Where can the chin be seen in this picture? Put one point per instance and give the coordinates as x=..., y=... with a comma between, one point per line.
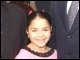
x=41, y=46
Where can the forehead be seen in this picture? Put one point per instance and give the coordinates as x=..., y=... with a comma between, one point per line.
x=39, y=22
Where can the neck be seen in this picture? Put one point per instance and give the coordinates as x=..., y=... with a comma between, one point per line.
x=38, y=49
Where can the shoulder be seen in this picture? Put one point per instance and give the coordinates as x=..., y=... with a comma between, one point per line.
x=12, y=10
x=55, y=50
x=54, y=54
x=10, y=7
x=22, y=54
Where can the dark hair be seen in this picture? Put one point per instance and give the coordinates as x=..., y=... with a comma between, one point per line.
x=41, y=14
x=33, y=15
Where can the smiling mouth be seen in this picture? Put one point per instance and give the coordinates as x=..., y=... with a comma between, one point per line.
x=40, y=39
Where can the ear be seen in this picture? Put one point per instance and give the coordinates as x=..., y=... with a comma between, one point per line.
x=27, y=33
x=51, y=28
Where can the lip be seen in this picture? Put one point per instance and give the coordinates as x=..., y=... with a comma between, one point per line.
x=40, y=39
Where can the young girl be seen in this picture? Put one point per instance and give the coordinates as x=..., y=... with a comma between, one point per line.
x=38, y=29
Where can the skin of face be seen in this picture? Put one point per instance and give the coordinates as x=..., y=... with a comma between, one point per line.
x=39, y=31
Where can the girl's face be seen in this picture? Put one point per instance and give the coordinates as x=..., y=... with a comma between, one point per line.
x=39, y=31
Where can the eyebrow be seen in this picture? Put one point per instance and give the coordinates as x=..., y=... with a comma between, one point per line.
x=36, y=28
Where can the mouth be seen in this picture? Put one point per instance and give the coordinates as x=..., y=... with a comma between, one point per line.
x=41, y=40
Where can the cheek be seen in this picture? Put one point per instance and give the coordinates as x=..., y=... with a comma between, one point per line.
x=48, y=34
x=31, y=35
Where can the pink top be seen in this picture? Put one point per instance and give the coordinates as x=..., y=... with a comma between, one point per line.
x=25, y=54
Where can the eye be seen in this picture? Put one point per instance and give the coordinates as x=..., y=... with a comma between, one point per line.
x=34, y=30
x=46, y=29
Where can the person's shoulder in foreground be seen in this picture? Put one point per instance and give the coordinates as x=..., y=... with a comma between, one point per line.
x=25, y=54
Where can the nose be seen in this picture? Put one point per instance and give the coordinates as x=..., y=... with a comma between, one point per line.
x=40, y=34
